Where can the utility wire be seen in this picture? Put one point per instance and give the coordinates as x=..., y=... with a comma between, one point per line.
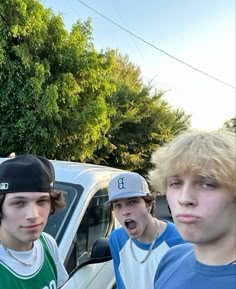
x=131, y=37
x=155, y=47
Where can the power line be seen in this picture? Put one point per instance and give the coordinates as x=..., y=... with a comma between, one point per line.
x=155, y=47
x=131, y=37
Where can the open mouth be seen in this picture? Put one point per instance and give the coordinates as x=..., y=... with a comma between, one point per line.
x=130, y=225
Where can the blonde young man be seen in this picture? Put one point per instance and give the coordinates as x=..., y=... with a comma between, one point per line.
x=28, y=258
x=197, y=172
x=138, y=245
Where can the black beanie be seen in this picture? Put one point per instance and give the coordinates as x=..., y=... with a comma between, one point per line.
x=26, y=173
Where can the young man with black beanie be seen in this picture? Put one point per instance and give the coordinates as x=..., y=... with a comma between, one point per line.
x=29, y=258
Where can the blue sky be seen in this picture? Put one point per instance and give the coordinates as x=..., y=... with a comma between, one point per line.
x=198, y=32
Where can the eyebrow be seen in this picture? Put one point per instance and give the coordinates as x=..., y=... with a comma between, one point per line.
x=201, y=176
x=171, y=177
x=17, y=197
x=131, y=198
x=197, y=177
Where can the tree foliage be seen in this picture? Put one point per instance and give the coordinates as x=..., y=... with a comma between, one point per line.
x=139, y=120
x=53, y=84
x=62, y=99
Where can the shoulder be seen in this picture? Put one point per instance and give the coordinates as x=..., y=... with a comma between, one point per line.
x=170, y=227
x=119, y=233
x=48, y=238
x=186, y=247
x=118, y=237
x=170, y=235
x=178, y=252
x=175, y=256
x=177, y=261
x=50, y=242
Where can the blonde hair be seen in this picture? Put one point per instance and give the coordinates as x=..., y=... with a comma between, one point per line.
x=210, y=153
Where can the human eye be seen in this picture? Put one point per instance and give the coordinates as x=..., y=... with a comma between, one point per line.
x=116, y=206
x=18, y=204
x=208, y=185
x=44, y=202
x=174, y=183
x=132, y=202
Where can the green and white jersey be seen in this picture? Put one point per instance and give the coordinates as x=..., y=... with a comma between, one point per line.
x=47, y=272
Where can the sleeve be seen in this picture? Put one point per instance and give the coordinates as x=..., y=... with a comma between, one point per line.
x=172, y=236
x=62, y=274
x=114, y=248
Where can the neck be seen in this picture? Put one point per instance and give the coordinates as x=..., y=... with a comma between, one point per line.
x=151, y=231
x=217, y=253
x=15, y=244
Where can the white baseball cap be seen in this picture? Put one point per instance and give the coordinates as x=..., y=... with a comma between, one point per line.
x=127, y=185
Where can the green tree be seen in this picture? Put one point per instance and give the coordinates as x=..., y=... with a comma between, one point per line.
x=53, y=84
x=62, y=99
x=230, y=124
x=139, y=119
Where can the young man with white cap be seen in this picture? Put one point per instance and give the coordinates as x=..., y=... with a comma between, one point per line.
x=138, y=245
x=28, y=257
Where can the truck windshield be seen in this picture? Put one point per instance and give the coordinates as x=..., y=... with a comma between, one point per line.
x=58, y=221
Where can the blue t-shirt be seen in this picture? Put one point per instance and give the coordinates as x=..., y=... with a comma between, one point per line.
x=131, y=274
x=179, y=269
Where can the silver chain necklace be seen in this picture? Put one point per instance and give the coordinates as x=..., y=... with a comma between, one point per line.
x=25, y=263
x=150, y=248
x=232, y=262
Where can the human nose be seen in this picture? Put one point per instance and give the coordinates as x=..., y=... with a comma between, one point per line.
x=187, y=196
x=125, y=210
x=31, y=211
